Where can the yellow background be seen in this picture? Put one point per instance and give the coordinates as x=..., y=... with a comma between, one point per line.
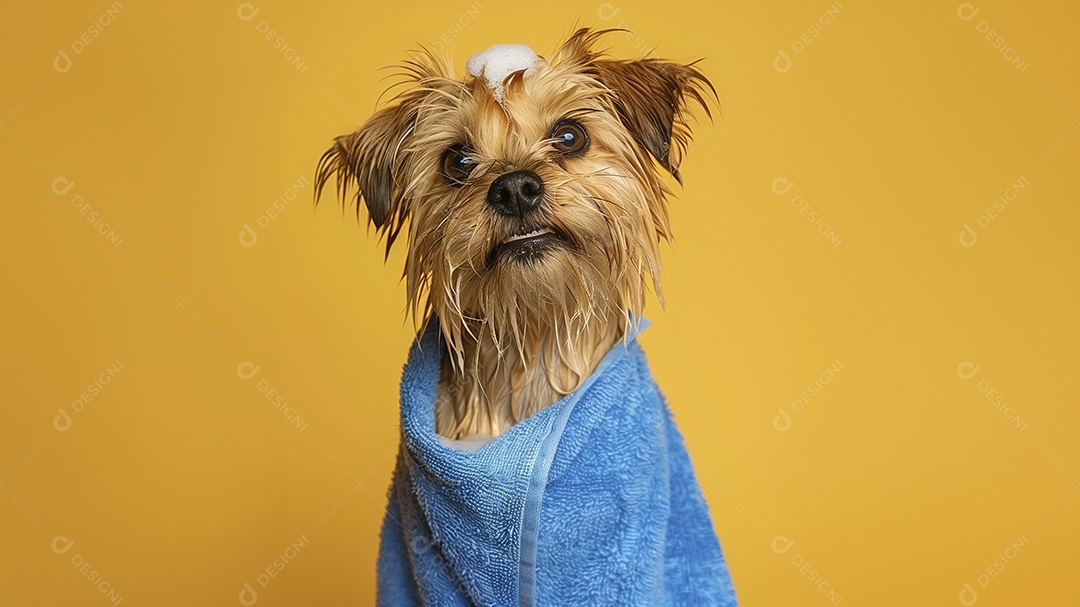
x=899, y=482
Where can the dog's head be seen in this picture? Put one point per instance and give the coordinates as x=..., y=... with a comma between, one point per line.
x=531, y=190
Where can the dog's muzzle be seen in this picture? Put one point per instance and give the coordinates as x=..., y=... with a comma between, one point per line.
x=517, y=196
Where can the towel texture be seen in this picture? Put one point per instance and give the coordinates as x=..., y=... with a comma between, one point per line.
x=592, y=501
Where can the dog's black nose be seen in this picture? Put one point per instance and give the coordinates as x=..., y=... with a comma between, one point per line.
x=516, y=194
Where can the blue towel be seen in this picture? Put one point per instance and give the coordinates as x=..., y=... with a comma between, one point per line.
x=592, y=501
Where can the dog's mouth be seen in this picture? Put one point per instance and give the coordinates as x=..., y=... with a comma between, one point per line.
x=526, y=247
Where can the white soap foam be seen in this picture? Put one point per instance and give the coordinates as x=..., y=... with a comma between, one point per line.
x=501, y=60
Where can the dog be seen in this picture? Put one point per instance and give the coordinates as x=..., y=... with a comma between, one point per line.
x=532, y=197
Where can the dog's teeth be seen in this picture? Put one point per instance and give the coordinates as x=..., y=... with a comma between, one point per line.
x=532, y=234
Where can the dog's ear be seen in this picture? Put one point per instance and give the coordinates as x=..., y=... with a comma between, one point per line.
x=651, y=98
x=369, y=157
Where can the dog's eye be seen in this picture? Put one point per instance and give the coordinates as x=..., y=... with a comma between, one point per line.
x=457, y=164
x=570, y=137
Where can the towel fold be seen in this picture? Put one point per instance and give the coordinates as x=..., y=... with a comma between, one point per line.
x=592, y=501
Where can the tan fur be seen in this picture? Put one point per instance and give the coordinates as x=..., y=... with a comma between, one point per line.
x=520, y=336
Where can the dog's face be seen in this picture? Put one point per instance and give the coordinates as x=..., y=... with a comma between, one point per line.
x=532, y=203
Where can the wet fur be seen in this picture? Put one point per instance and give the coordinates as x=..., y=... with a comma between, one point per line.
x=521, y=335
